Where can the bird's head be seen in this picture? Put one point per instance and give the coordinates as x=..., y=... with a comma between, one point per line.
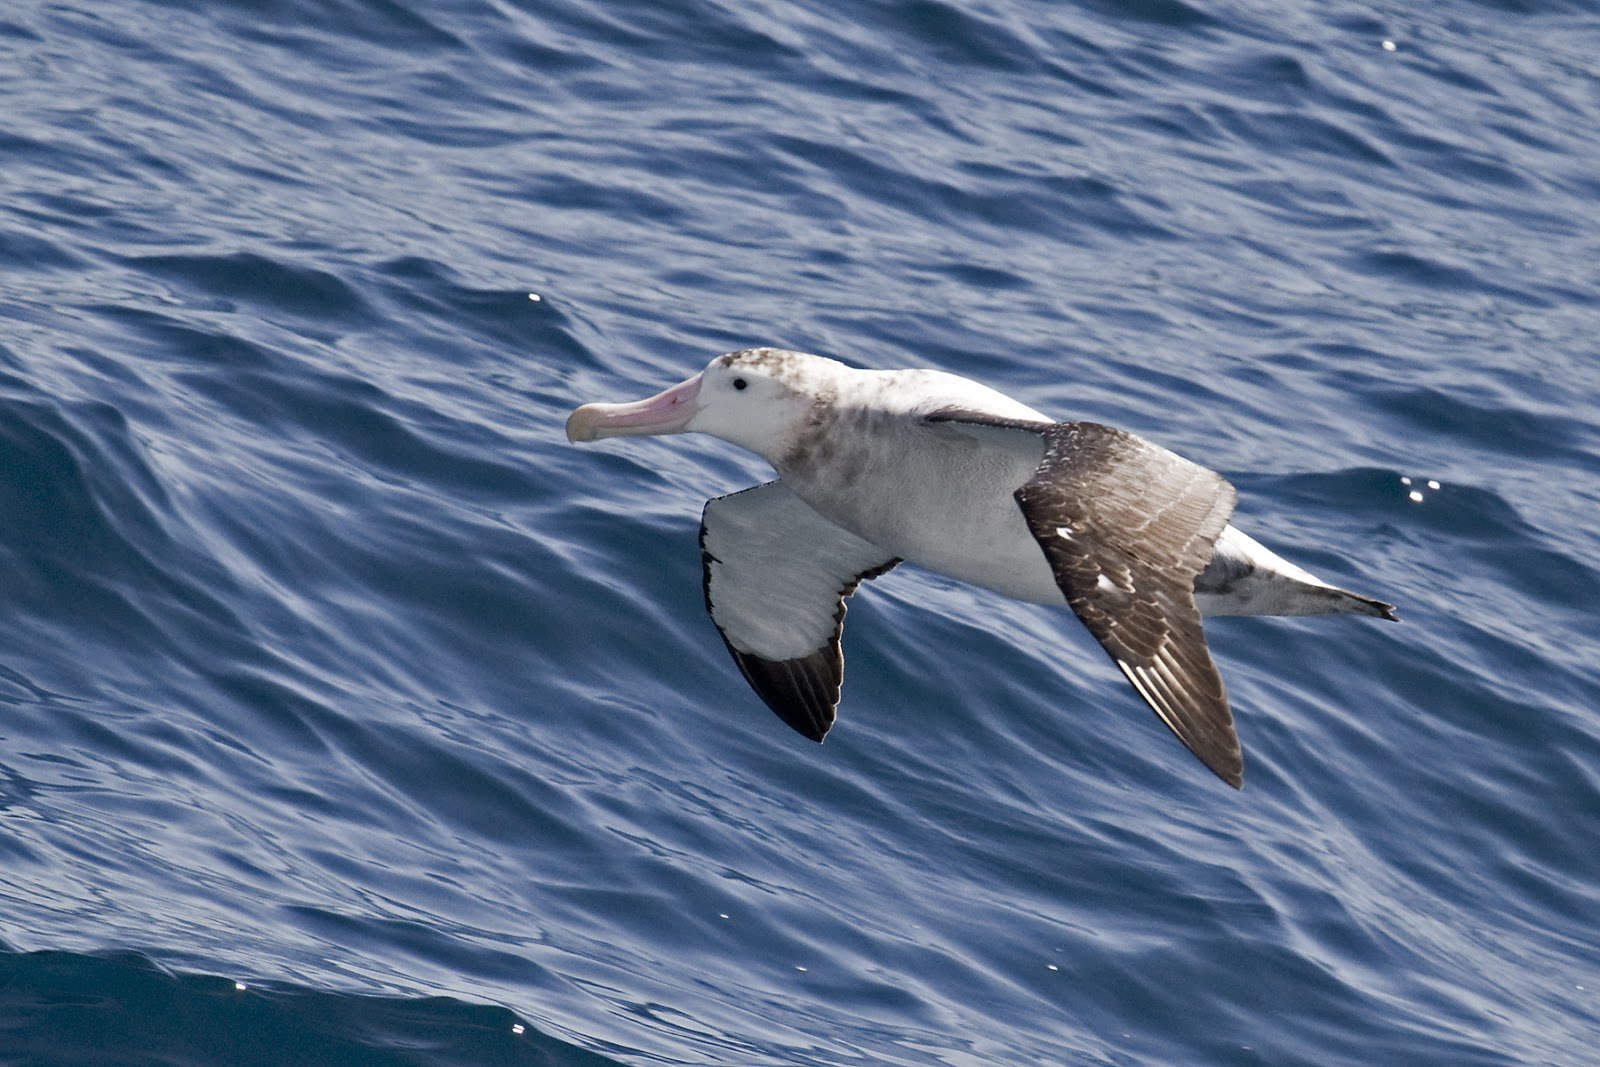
x=758, y=399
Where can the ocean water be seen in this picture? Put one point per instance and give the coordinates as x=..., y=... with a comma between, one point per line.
x=349, y=715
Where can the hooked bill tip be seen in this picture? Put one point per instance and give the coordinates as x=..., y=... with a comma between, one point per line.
x=581, y=424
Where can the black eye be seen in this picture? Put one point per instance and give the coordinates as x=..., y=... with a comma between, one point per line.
x=740, y=383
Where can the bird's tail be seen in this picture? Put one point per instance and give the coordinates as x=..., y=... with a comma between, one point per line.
x=1245, y=577
x=1356, y=604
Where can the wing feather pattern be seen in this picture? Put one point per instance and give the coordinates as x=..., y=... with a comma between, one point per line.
x=776, y=578
x=1126, y=526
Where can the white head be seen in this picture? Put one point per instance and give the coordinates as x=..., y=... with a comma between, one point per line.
x=758, y=399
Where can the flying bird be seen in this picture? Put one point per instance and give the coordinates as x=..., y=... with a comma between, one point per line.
x=881, y=467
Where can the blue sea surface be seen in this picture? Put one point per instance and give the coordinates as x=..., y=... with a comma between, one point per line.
x=348, y=715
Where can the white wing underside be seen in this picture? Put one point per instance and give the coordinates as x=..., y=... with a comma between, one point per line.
x=776, y=571
x=776, y=577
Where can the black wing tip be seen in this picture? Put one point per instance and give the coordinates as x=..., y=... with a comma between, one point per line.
x=802, y=721
x=803, y=692
x=810, y=727
x=807, y=730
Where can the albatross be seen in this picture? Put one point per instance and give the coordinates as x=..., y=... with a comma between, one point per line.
x=880, y=467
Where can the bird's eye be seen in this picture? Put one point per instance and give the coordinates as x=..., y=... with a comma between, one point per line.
x=740, y=383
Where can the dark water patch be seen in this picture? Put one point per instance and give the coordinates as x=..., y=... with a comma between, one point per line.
x=255, y=280
x=1545, y=573
x=188, y=342
x=1464, y=510
x=1278, y=77
x=1096, y=210
x=1537, y=8
x=1305, y=134
x=515, y=321
x=601, y=195
x=1450, y=161
x=59, y=1007
x=632, y=26
x=18, y=31
x=958, y=37
x=297, y=720
x=21, y=146
x=1497, y=423
x=29, y=252
x=1520, y=129
x=988, y=278
x=388, y=24
x=1169, y=13
x=1431, y=272
x=549, y=59
x=361, y=422
x=73, y=479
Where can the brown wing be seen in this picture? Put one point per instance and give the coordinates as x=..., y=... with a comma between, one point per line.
x=1126, y=526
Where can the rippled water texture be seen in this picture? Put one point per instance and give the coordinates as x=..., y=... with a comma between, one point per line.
x=349, y=715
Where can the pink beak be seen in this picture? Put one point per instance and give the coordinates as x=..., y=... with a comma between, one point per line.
x=667, y=412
